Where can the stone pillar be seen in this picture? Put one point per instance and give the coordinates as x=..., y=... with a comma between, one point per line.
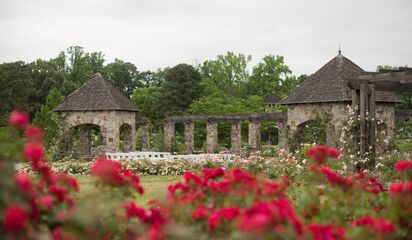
x=211, y=137
x=145, y=137
x=127, y=134
x=111, y=137
x=282, y=136
x=133, y=139
x=85, y=139
x=189, y=137
x=235, y=138
x=295, y=136
x=254, y=135
x=169, y=134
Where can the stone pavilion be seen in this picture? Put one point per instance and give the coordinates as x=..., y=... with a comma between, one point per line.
x=98, y=103
x=326, y=95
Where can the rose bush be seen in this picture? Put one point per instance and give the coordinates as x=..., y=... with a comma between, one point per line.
x=210, y=203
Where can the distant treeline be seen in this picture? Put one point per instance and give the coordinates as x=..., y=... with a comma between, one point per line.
x=221, y=85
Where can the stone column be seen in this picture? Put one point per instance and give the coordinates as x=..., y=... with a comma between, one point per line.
x=189, y=137
x=145, y=137
x=295, y=136
x=254, y=135
x=169, y=134
x=127, y=133
x=282, y=136
x=133, y=139
x=85, y=139
x=235, y=138
x=111, y=136
x=211, y=137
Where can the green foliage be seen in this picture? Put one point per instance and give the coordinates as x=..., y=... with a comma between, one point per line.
x=315, y=132
x=227, y=73
x=123, y=75
x=147, y=99
x=46, y=118
x=180, y=88
x=16, y=89
x=65, y=143
x=271, y=75
x=224, y=85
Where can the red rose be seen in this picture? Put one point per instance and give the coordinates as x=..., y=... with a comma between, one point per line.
x=132, y=210
x=33, y=132
x=320, y=154
x=46, y=201
x=33, y=152
x=229, y=213
x=23, y=181
x=18, y=119
x=214, y=221
x=14, y=219
x=108, y=170
x=403, y=165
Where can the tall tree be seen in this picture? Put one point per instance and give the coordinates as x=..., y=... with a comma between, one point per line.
x=149, y=78
x=147, y=100
x=123, y=75
x=16, y=89
x=81, y=65
x=227, y=73
x=180, y=88
x=46, y=118
x=271, y=75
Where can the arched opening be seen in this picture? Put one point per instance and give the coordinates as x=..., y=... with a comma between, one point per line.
x=311, y=131
x=88, y=140
x=125, y=138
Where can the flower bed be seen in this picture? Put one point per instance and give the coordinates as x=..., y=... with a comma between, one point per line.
x=211, y=203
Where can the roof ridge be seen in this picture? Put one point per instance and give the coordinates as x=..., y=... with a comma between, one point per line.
x=329, y=84
x=75, y=91
x=97, y=94
x=109, y=92
x=340, y=78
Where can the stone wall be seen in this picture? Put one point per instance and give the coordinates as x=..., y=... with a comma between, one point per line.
x=109, y=123
x=335, y=116
x=385, y=116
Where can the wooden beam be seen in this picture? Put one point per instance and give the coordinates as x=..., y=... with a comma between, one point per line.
x=362, y=112
x=355, y=108
x=372, y=126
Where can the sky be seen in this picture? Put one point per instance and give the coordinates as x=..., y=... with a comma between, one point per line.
x=154, y=34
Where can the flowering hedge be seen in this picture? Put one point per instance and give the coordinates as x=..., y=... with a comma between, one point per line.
x=285, y=164
x=212, y=203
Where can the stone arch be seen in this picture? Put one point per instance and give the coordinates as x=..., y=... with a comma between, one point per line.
x=333, y=115
x=85, y=137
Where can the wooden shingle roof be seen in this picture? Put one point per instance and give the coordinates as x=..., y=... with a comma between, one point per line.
x=330, y=84
x=97, y=94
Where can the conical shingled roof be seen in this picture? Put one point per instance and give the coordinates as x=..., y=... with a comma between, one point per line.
x=97, y=94
x=329, y=84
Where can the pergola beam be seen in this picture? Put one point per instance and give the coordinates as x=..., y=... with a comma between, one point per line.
x=391, y=81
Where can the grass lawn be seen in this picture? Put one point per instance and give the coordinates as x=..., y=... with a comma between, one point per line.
x=154, y=187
